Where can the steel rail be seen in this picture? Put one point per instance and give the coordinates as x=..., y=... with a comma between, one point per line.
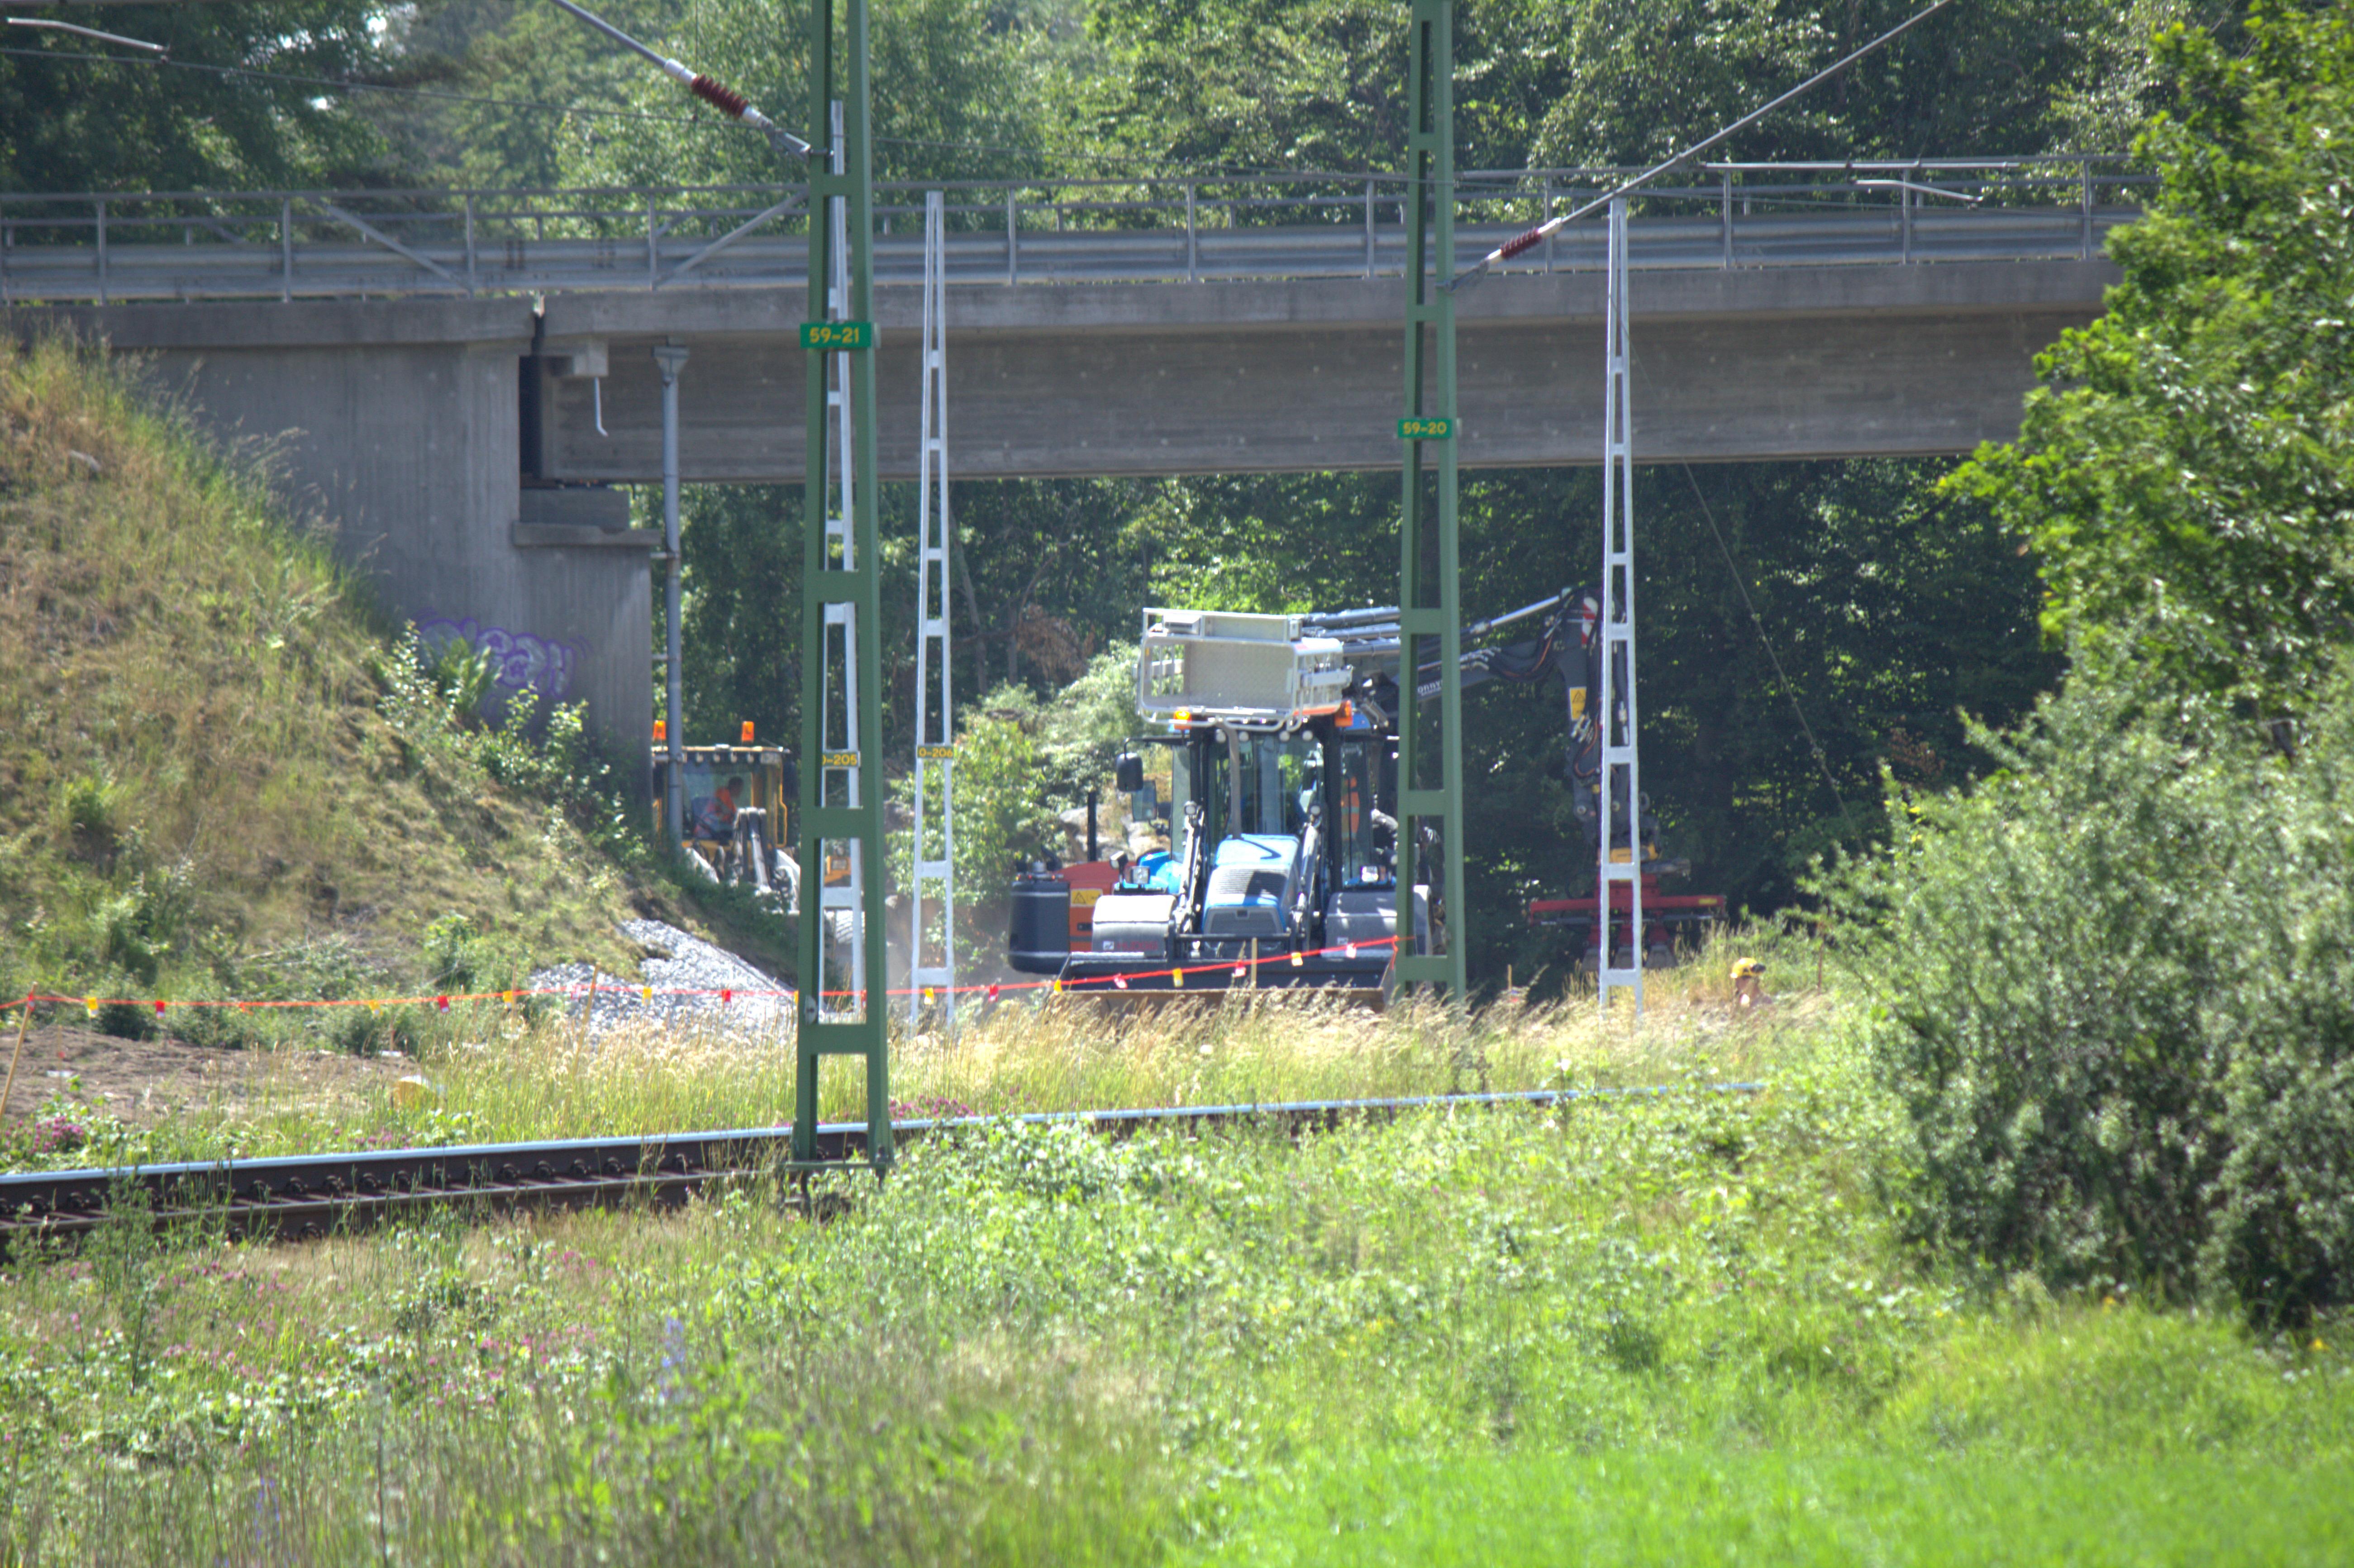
x=335, y=244
x=301, y=1197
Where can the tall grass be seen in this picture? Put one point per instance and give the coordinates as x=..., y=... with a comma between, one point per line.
x=502, y=1074
x=1031, y=1345
x=1820, y=1510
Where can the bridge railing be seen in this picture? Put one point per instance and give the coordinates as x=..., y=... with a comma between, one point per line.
x=189, y=245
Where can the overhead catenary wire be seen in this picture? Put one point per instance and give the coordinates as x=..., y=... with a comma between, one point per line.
x=346, y=84
x=1822, y=761
x=1532, y=237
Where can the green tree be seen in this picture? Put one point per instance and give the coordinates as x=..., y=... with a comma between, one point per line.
x=1003, y=819
x=2114, y=988
x=2187, y=472
x=514, y=90
x=740, y=633
x=1320, y=84
x=1046, y=572
x=237, y=105
x=1996, y=78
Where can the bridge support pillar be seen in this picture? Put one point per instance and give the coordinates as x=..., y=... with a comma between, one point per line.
x=407, y=453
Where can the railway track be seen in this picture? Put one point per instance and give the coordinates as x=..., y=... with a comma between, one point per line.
x=310, y=1196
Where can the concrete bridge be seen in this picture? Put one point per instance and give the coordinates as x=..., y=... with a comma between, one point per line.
x=465, y=445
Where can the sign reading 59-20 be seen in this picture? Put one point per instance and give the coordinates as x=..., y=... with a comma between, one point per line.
x=837, y=334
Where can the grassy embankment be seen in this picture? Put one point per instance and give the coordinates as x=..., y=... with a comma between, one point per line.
x=1677, y=1328
x=202, y=791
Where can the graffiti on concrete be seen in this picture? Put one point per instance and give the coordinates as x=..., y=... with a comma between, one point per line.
x=517, y=659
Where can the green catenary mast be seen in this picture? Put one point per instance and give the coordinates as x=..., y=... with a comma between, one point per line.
x=840, y=804
x=1430, y=788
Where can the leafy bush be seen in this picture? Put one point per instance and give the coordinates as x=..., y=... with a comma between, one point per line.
x=462, y=957
x=89, y=809
x=430, y=700
x=462, y=674
x=2115, y=985
x=1021, y=759
x=1002, y=812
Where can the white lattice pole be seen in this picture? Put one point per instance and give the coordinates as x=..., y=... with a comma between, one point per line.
x=1620, y=866
x=935, y=728
x=841, y=734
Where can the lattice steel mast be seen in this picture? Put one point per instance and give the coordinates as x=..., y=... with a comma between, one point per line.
x=935, y=727
x=1429, y=595
x=1620, y=866
x=840, y=596
x=839, y=905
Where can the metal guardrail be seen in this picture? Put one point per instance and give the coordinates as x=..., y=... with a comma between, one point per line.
x=288, y=245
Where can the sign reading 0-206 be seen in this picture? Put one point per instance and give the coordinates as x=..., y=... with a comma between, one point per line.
x=837, y=334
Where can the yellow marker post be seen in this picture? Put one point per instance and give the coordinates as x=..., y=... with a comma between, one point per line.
x=23, y=1025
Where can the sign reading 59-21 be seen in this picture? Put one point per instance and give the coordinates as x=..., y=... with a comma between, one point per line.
x=837, y=334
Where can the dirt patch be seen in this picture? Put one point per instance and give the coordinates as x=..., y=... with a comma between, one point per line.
x=142, y=1080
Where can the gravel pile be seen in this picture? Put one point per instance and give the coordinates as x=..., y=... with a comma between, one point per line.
x=691, y=964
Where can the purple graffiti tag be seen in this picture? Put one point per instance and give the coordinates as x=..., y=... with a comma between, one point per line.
x=517, y=659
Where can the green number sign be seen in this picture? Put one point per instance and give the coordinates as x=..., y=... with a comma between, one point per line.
x=838, y=334
x=1426, y=430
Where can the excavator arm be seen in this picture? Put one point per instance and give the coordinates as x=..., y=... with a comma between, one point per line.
x=1565, y=646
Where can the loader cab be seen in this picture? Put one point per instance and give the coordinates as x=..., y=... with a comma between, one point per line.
x=1363, y=800
x=1259, y=790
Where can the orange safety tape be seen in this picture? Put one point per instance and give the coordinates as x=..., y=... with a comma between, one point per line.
x=727, y=994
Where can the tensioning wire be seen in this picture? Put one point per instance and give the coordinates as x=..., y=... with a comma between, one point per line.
x=346, y=85
x=1822, y=760
x=1780, y=674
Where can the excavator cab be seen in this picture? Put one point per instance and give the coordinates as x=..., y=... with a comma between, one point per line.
x=738, y=807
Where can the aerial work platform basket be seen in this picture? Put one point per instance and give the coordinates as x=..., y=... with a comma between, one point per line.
x=1250, y=669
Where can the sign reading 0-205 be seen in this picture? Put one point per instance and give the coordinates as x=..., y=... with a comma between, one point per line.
x=838, y=334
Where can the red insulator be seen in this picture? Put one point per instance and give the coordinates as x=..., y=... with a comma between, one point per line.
x=718, y=95
x=1515, y=246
